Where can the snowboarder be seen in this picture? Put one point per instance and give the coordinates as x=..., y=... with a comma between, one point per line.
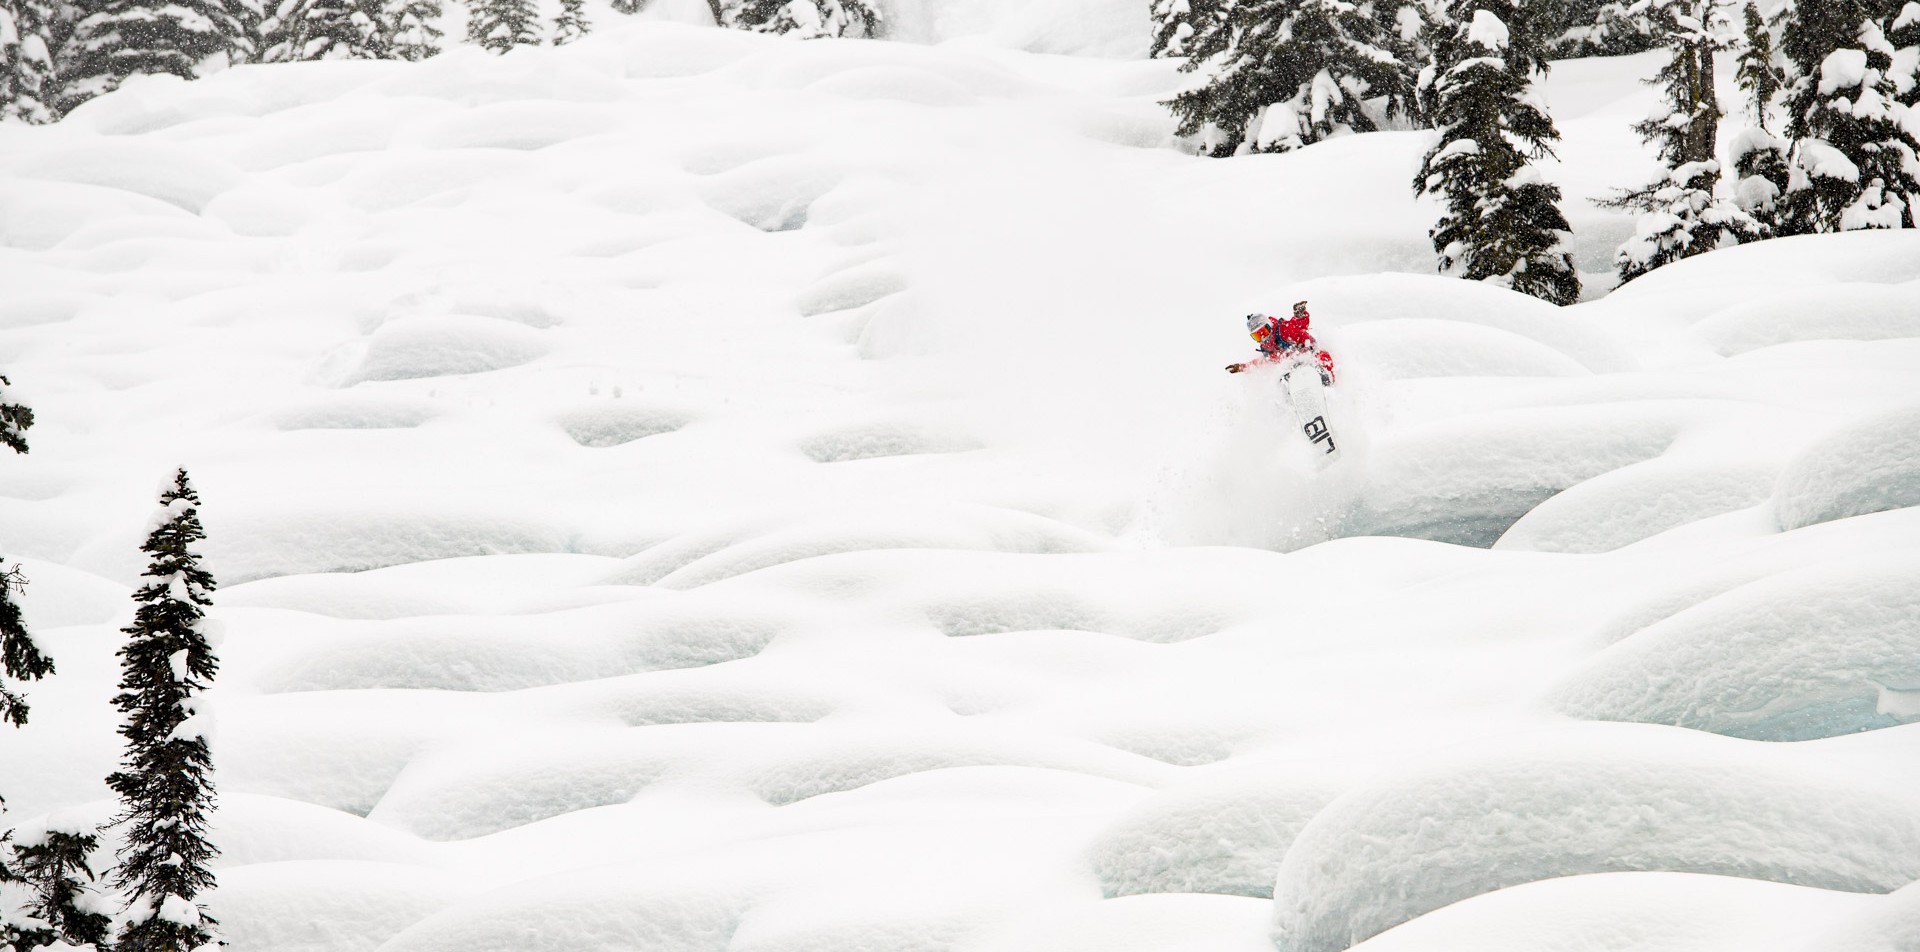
x=1282, y=340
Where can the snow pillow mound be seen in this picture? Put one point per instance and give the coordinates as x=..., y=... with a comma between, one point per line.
x=880, y=439
x=1786, y=265
x=265, y=543
x=275, y=905
x=1847, y=312
x=603, y=424
x=1795, y=656
x=1870, y=466
x=1617, y=912
x=417, y=347
x=459, y=794
x=1223, y=836
x=704, y=558
x=1892, y=925
x=1574, y=801
x=1350, y=302
x=1468, y=480
x=1637, y=502
x=1403, y=348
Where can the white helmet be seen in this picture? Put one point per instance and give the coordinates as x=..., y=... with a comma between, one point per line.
x=1256, y=321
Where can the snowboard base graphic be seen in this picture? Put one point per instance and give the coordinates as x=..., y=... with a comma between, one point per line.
x=1307, y=397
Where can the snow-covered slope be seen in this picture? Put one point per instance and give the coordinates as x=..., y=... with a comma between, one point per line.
x=694, y=491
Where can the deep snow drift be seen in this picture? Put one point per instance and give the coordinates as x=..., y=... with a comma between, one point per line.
x=694, y=491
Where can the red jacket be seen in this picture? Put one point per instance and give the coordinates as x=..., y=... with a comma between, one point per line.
x=1291, y=338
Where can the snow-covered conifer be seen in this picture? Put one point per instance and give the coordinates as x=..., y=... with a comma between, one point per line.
x=1502, y=221
x=115, y=39
x=1760, y=177
x=501, y=25
x=1679, y=214
x=1903, y=33
x=20, y=658
x=165, y=787
x=1854, y=164
x=27, y=84
x=1297, y=72
x=56, y=869
x=806, y=19
x=1756, y=69
x=1184, y=27
x=15, y=418
x=571, y=23
x=1605, y=28
x=1759, y=157
x=325, y=29
x=413, y=31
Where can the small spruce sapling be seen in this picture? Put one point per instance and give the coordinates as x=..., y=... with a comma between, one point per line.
x=56, y=870
x=15, y=418
x=165, y=784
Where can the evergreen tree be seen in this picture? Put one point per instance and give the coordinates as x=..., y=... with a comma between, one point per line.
x=20, y=658
x=1599, y=28
x=1759, y=158
x=807, y=19
x=413, y=32
x=1502, y=221
x=164, y=785
x=115, y=39
x=1757, y=72
x=1903, y=32
x=27, y=83
x=1760, y=178
x=501, y=25
x=571, y=24
x=1299, y=71
x=64, y=906
x=1183, y=27
x=1679, y=215
x=1854, y=163
x=325, y=29
x=15, y=418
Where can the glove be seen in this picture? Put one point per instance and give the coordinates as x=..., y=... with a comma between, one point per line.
x=1235, y=368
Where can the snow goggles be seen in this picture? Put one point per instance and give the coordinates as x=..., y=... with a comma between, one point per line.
x=1262, y=332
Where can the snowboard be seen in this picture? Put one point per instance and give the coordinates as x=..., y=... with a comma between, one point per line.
x=1308, y=398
